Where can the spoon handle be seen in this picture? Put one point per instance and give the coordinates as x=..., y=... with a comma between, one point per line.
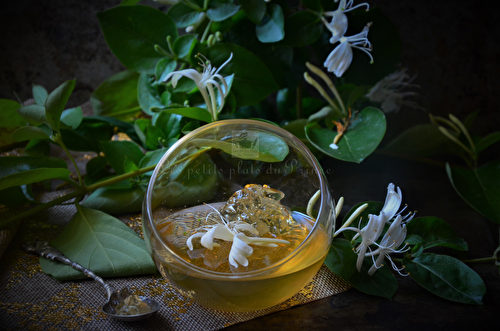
x=43, y=249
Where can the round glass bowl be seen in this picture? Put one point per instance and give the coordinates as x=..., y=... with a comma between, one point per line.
x=188, y=195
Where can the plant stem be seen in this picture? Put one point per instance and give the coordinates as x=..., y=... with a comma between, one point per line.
x=79, y=192
x=205, y=33
x=481, y=260
x=63, y=146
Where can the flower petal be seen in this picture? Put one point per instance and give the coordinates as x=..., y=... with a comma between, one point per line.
x=239, y=251
x=392, y=201
x=339, y=59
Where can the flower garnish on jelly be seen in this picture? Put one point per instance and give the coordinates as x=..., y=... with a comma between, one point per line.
x=243, y=228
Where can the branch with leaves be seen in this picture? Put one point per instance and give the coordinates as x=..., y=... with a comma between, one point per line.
x=208, y=60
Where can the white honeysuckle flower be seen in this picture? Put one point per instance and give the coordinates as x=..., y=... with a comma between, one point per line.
x=388, y=91
x=371, y=232
x=341, y=57
x=205, y=81
x=392, y=201
x=231, y=231
x=338, y=24
x=369, y=235
x=239, y=251
x=392, y=239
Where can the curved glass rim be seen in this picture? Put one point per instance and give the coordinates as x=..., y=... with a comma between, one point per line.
x=216, y=274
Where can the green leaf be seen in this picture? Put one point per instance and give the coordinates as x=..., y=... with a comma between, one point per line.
x=33, y=176
x=341, y=259
x=446, y=277
x=34, y=114
x=116, y=200
x=152, y=157
x=89, y=133
x=149, y=134
x=117, y=96
x=302, y=28
x=196, y=113
x=264, y=147
x=10, y=120
x=55, y=103
x=253, y=82
x=164, y=67
x=273, y=27
x=183, y=45
x=132, y=32
x=168, y=123
x=219, y=10
x=488, y=141
x=479, y=187
x=382, y=283
x=32, y=132
x=361, y=139
x=191, y=182
x=96, y=170
x=148, y=96
x=102, y=244
x=297, y=129
x=39, y=94
x=37, y=147
x=324, y=113
x=116, y=151
x=435, y=232
x=15, y=164
x=72, y=117
x=423, y=140
x=183, y=15
x=129, y=165
x=254, y=9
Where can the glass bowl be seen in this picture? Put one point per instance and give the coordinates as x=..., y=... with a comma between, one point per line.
x=191, y=192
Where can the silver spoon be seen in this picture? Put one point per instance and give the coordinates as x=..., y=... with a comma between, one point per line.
x=121, y=305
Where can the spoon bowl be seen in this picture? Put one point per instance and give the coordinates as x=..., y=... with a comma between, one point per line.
x=122, y=305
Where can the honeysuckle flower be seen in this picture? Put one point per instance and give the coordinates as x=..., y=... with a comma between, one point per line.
x=369, y=235
x=388, y=91
x=392, y=201
x=392, y=239
x=232, y=231
x=341, y=57
x=338, y=24
x=371, y=232
x=205, y=81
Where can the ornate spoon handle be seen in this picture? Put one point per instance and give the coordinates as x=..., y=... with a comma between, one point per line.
x=43, y=249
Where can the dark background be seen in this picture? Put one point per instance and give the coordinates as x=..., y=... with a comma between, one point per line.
x=452, y=45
